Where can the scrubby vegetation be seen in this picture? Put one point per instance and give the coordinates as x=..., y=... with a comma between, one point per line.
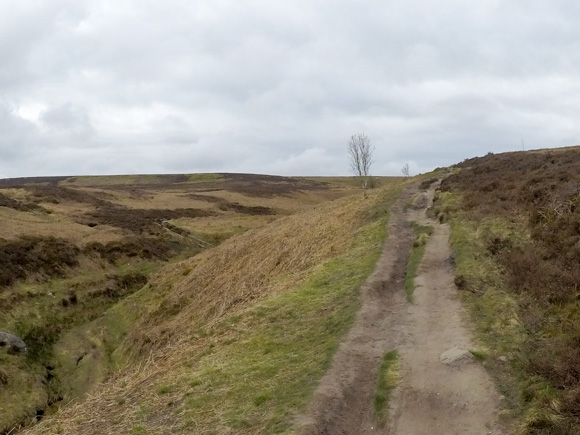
x=77, y=249
x=42, y=257
x=267, y=185
x=516, y=233
x=148, y=248
x=138, y=220
x=6, y=201
x=55, y=194
x=235, y=339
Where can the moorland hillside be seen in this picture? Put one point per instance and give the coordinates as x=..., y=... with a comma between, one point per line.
x=73, y=248
x=515, y=221
x=225, y=312
x=236, y=337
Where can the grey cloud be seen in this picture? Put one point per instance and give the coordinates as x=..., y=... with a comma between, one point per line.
x=69, y=122
x=18, y=137
x=258, y=86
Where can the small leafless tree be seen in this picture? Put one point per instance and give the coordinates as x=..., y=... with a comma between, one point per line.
x=360, y=152
x=406, y=170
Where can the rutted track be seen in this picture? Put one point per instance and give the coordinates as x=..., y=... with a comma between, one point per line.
x=432, y=398
x=453, y=398
x=342, y=404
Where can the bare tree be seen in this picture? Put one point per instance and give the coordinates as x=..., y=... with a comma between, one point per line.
x=360, y=152
x=406, y=170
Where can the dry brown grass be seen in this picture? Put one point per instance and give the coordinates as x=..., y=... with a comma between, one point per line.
x=243, y=270
x=101, y=210
x=18, y=194
x=68, y=209
x=285, y=204
x=15, y=224
x=70, y=201
x=157, y=200
x=222, y=226
x=175, y=313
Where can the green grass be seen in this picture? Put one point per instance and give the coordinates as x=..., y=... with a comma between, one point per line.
x=139, y=430
x=422, y=233
x=256, y=369
x=164, y=389
x=266, y=364
x=492, y=307
x=386, y=383
x=56, y=336
x=198, y=178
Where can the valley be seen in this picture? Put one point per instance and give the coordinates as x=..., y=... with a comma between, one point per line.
x=231, y=303
x=74, y=248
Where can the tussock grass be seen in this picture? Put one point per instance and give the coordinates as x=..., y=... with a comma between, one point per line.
x=422, y=233
x=238, y=343
x=80, y=340
x=387, y=381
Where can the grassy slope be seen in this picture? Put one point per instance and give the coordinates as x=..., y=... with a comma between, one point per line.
x=515, y=222
x=79, y=355
x=236, y=338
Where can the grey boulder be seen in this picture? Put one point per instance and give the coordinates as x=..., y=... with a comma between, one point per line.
x=11, y=343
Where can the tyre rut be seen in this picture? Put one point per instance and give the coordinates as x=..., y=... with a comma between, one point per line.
x=342, y=403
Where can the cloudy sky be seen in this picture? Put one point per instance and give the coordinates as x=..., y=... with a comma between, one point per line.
x=278, y=87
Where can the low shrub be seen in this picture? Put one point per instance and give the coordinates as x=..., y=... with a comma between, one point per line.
x=539, y=191
x=140, y=247
x=6, y=201
x=44, y=256
x=138, y=221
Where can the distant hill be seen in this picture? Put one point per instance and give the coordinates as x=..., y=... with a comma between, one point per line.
x=213, y=303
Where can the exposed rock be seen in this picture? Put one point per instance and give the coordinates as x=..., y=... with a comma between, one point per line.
x=455, y=355
x=503, y=358
x=421, y=200
x=12, y=343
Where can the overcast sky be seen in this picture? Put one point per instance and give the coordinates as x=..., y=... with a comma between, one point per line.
x=278, y=87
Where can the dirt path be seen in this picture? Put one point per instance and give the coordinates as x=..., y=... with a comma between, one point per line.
x=436, y=397
x=433, y=397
